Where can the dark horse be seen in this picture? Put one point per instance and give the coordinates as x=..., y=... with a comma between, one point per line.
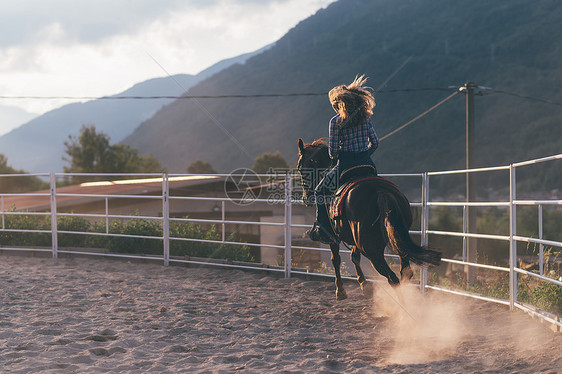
x=373, y=216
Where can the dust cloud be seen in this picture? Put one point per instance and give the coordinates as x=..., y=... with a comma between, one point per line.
x=441, y=327
x=425, y=328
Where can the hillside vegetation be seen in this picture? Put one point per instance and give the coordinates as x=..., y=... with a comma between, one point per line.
x=509, y=45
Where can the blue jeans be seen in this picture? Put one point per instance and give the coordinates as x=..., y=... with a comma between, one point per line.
x=329, y=184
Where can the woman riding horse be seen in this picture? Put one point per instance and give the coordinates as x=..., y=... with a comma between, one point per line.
x=352, y=140
x=374, y=213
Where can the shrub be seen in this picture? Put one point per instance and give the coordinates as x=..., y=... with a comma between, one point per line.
x=548, y=296
x=26, y=222
x=98, y=241
x=118, y=244
x=544, y=295
x=72, y=223
x=136, y=226
x=202, y=249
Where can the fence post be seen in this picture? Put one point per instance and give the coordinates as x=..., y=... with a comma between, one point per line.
x=288, y=222
x=512, y=241
x=106, y=215
x=541, y=246
x=425, y=226
x=223, y=218
x=166, y=218
x=464, y=238
x=54, y=235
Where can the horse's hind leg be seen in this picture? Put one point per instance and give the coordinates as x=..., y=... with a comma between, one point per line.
x=380, y=264
x=372, y=243
x=366, y=287
x=336, y=262
x=406, y=272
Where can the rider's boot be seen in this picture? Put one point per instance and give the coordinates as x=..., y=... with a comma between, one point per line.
x=322, y=229
x=319, y=234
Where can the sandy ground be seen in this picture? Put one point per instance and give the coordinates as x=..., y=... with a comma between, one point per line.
x=88, y=315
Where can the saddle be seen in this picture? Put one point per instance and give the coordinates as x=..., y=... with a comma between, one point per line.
x=356, y=172
x=337, y=205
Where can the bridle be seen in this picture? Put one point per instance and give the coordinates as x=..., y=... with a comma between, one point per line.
x=310, y=176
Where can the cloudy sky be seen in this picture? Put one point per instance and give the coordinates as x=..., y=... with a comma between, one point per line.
x=102, y=47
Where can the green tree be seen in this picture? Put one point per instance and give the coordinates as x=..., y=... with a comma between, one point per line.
x=200, y=167
x=88, y=152
x=91, y=152
x=268, y=162
x=128, y=159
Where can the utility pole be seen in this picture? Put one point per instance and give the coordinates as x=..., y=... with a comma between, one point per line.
x=471, y=248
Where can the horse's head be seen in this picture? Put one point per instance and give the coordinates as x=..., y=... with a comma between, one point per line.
x=313, y=161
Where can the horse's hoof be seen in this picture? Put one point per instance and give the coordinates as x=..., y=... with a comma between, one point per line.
x=406, y=274
x=367, y=289
x=341, y=295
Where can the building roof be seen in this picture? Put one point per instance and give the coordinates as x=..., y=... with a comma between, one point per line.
x=94, y=191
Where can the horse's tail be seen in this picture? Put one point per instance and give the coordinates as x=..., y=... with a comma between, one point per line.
x=399, y=237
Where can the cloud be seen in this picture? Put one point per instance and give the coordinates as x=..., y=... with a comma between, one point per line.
x=102, y=47
x=91, y=21
x=84, y=21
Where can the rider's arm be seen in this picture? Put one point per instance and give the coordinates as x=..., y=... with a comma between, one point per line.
x=373, y=138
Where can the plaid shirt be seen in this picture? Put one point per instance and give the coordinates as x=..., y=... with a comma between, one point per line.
x=356, y=139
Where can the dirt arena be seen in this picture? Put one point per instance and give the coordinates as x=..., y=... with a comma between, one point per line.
x=94, y=315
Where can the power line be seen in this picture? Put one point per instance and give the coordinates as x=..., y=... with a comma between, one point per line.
x=420, y=116
x=189, y=97
x=205, y=110
x=490, y=91
x=537, y=99
x=251, y=96
x=422, y=89
x=265, y=95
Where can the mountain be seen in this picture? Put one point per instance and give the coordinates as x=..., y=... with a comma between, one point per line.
x=38, y=145
x=509, y=45
x=12, y=117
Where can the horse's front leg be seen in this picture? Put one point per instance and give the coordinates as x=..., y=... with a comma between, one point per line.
x=336, y=262
x=366, y=287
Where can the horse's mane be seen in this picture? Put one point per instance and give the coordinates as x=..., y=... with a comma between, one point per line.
x=318, y=143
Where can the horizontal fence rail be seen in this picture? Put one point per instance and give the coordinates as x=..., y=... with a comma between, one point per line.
x=285, y=201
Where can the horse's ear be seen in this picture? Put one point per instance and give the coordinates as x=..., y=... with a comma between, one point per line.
x=301, y=146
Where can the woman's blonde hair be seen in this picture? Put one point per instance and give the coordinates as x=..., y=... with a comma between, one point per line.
x=354, y=102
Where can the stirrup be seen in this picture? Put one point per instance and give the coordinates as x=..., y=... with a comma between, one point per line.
x=317, y=234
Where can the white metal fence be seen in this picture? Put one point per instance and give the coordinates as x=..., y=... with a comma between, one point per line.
x=512, y=203
x=287, y=201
